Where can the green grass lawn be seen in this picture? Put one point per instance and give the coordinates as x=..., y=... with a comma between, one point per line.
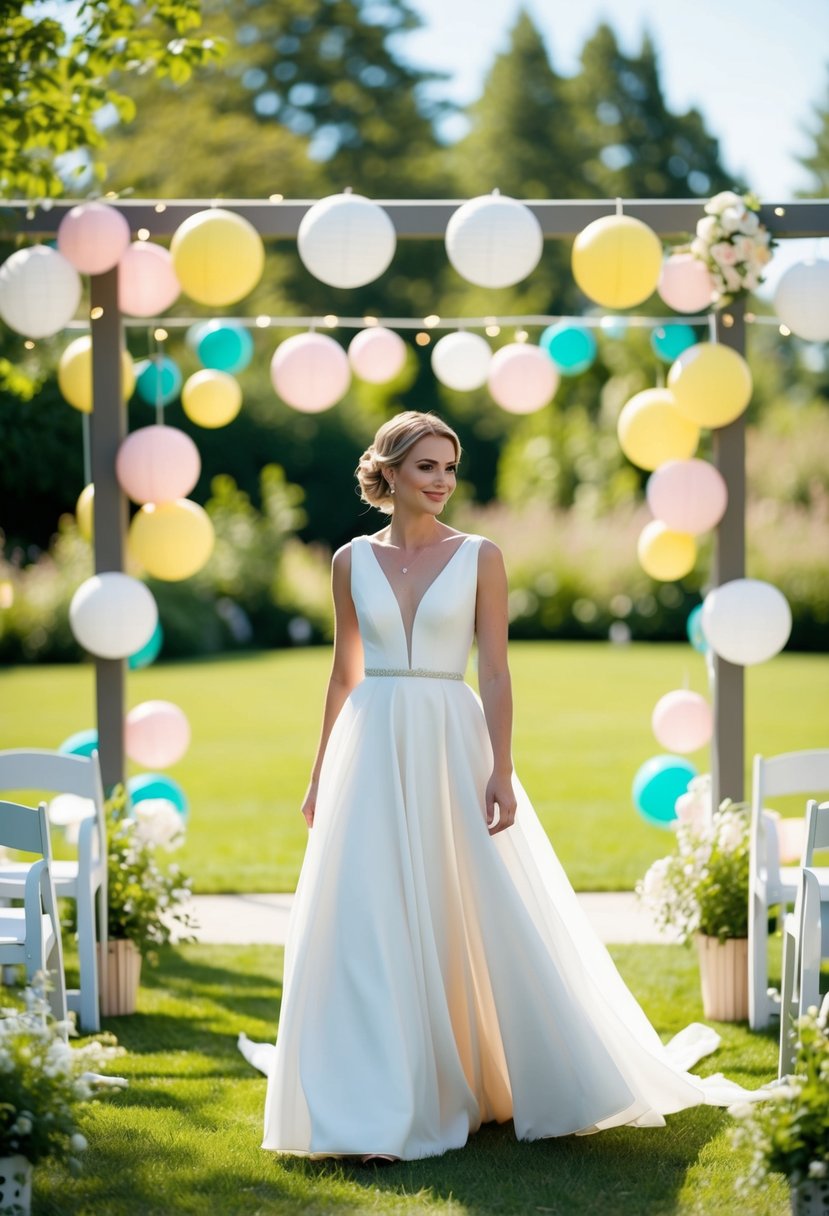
x=582, y=728
x=184, y=1137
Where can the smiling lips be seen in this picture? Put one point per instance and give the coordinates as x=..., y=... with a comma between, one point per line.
x=433, y=494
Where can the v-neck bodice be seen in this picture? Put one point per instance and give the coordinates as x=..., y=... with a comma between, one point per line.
x=444, y=620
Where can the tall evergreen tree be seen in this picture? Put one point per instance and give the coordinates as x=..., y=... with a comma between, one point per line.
x=817, y=162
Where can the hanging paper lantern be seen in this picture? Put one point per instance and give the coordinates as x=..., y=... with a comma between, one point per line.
x=666, y=555
x=377, y=355
x=75, y=374
x=225, y=346
x=211, y=399
x=93, y=237
x=570, y=347
x=801, y=300
x=158, y=380
x=148, y=652
x=693, y=630
x=711, y=384
x=85, y=512
x=218, y=256
x=310, y=372
x=687, y=495
x=346, y=240
x=150, y=786
x=39, y=291
x=82, y=743
x=669, y=341
x=461, y=361
x=147, y=283
x=746, y=621
x=171, y=540
x=651, y=430
x=685, y=283
x=522, y=378
x=156, y=734
x=682, y=721
x=69, y=810
x=157, y=464
x=111, y=615
x=494, y=241
x=617, y=261
x=657, y=785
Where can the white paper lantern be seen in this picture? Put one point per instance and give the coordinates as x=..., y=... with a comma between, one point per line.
x=377, y=354
x=113, y=615
x=461, y=361
x=746, y=621
x=494, y=241
x=39, y=291
x=310, y=372
x=522, y=378
x=346, y=240
x=802, y=300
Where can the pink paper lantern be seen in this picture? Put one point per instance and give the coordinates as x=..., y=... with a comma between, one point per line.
x=377, y=354
x=157, y=464
x=147, y=283
x=93, y=237
x=522, y=378
x=687, y=495
x=310, y=372
x=156, y=734
x=682, y=721
x=686, y=284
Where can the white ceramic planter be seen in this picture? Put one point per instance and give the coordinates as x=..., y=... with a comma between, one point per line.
x=811, y=1198
x=15, y=1186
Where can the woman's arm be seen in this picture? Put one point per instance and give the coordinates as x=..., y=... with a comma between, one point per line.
x=346, y=670
x=491, y=622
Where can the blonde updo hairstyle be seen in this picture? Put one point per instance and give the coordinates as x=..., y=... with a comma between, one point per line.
x=392, y=443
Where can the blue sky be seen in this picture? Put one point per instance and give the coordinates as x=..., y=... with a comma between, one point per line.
x=754, y=68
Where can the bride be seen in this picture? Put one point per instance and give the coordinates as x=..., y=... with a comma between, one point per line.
x=439, y=970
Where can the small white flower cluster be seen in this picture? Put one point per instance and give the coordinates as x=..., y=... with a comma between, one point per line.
x=158, y=823
x=733, y=244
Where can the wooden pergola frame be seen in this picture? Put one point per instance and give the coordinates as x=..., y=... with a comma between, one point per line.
x=278, y=218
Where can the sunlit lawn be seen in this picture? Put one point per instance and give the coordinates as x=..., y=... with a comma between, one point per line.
x=582, y=729
x=184, y=1137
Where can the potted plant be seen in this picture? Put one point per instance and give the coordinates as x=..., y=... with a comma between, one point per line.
x=701, y=891
x=144, y=898
x=789, y=1133
x=43, y=1083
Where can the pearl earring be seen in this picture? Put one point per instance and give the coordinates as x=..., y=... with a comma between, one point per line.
x=391, y=489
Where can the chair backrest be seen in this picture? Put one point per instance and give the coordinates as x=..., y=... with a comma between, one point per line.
x=25, y=828
x=817, y=830
x=37, y=769
x=804, y=772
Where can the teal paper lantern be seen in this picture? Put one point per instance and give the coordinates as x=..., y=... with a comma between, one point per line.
x=157, y=785
x=224, y=346
x=158, y=380
x=571, y=348
x=83, y=743
x=658, y=784
x=669, y=341
x=149, y=652
x=693, y=628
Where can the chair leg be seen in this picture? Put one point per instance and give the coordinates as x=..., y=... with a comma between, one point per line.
x=788, y=1002
x=89, y=1007
x=103, y=937
x=57, y=993
x=759, y=1007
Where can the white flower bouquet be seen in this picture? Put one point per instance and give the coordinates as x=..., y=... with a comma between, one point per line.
x=703, y=886
x=733, y=244
x=44, y=1081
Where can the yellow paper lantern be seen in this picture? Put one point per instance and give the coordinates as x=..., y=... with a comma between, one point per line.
x=711, y=384
x=84, y=512
x=75, y=374
x=651, y=430
x=617, y=261
x=218, y=256
x=211, y=398
x=171, y=540
x=666, y=555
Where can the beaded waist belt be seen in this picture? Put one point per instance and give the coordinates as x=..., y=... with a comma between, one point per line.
x=414, y=671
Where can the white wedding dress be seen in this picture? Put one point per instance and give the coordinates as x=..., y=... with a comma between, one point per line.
x=437, y=977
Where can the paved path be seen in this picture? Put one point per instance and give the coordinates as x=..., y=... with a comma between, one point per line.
x=263, y=919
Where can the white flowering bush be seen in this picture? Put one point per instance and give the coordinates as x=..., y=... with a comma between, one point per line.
x=789, y=1133
x=44, y=1081
x=703, y=886
x=733, y=244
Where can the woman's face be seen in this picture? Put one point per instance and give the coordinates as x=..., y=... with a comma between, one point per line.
x=427, y=476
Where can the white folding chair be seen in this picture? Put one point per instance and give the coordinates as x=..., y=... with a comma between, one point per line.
x=770, y=884
x=31, y=935
x=82, y=880
x=805, y=947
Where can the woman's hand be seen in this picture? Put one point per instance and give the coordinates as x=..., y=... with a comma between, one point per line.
x=499, y=792
x=309, y=803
